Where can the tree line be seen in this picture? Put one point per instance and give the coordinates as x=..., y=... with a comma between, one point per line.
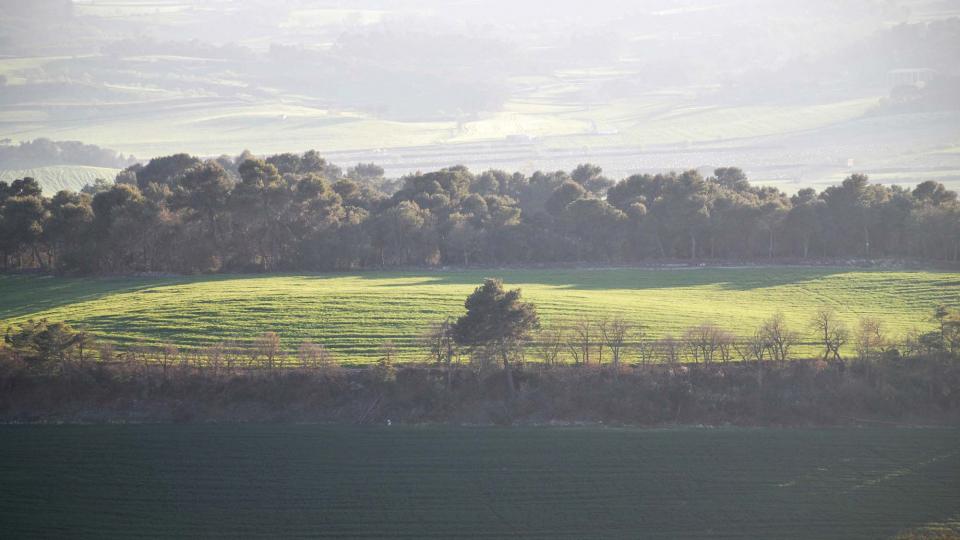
x=42, y=152
x=298, y=212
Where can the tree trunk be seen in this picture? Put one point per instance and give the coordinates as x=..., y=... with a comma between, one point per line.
x=693, y=246
x=770, y=249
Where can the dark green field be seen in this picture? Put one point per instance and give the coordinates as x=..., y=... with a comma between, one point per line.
x=230, y=481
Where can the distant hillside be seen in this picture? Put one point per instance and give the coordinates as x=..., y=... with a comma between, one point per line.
x=57, y=177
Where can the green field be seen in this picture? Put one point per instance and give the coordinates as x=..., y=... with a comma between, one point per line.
x=57, y=177
x=353, y=314
x=231, y=481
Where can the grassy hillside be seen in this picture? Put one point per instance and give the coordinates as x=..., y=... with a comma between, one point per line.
x=57, y=177
x=441, y=482
x=354, y=314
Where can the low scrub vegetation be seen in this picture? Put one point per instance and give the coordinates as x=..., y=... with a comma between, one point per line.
x=921, y=389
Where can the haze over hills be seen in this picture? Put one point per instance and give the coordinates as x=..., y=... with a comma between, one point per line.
x=830, y=88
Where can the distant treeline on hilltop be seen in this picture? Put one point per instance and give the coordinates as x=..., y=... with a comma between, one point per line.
x=44, y=152
x=299, y=212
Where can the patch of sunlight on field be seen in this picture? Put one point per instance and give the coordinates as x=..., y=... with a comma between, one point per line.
x=911, y=176
x=532, y=106
x=241, y=116
x=353, y=314
x=10, y=66
x=625, y=113
x=27, y=118
x=907, y=178
x=205, y=129
x=503, y=124
x=947, y=150
x=595, y=73
x=313, y=17
x=718, y=123
x=126, y=9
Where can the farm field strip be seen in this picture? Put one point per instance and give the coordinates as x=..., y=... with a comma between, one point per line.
x=406, y=481
x=57, y=177
x=354, y=314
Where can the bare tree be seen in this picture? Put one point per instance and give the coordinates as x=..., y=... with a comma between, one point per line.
x=137, y=354
x=267, y=346
x=214, y=357
x=520, y=352
x=105, y=352
x=580, y=340
x=307, y=355
x=184, y=359
x=442, y=345
x=689, y=346
x=313, y=355
x=233, y=352
x=912, y=344
x=669, y=349
x=754, y=348
x=703, y=341
x=646, y=350
x=779, y=338
x=384, y=369
x=831, y=332
x=548, y=345
x=440, y=342
x=615, y=334
x=869, y=338
x=168, y=355
x=325, y=358
x=725, y=341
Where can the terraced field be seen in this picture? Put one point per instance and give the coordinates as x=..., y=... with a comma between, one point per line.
x=353, y=314
x=57, y=177
x=124, y=481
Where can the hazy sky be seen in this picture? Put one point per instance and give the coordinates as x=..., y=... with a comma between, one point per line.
x=792, y=90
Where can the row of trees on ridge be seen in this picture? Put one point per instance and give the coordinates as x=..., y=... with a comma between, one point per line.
x=299, y=212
